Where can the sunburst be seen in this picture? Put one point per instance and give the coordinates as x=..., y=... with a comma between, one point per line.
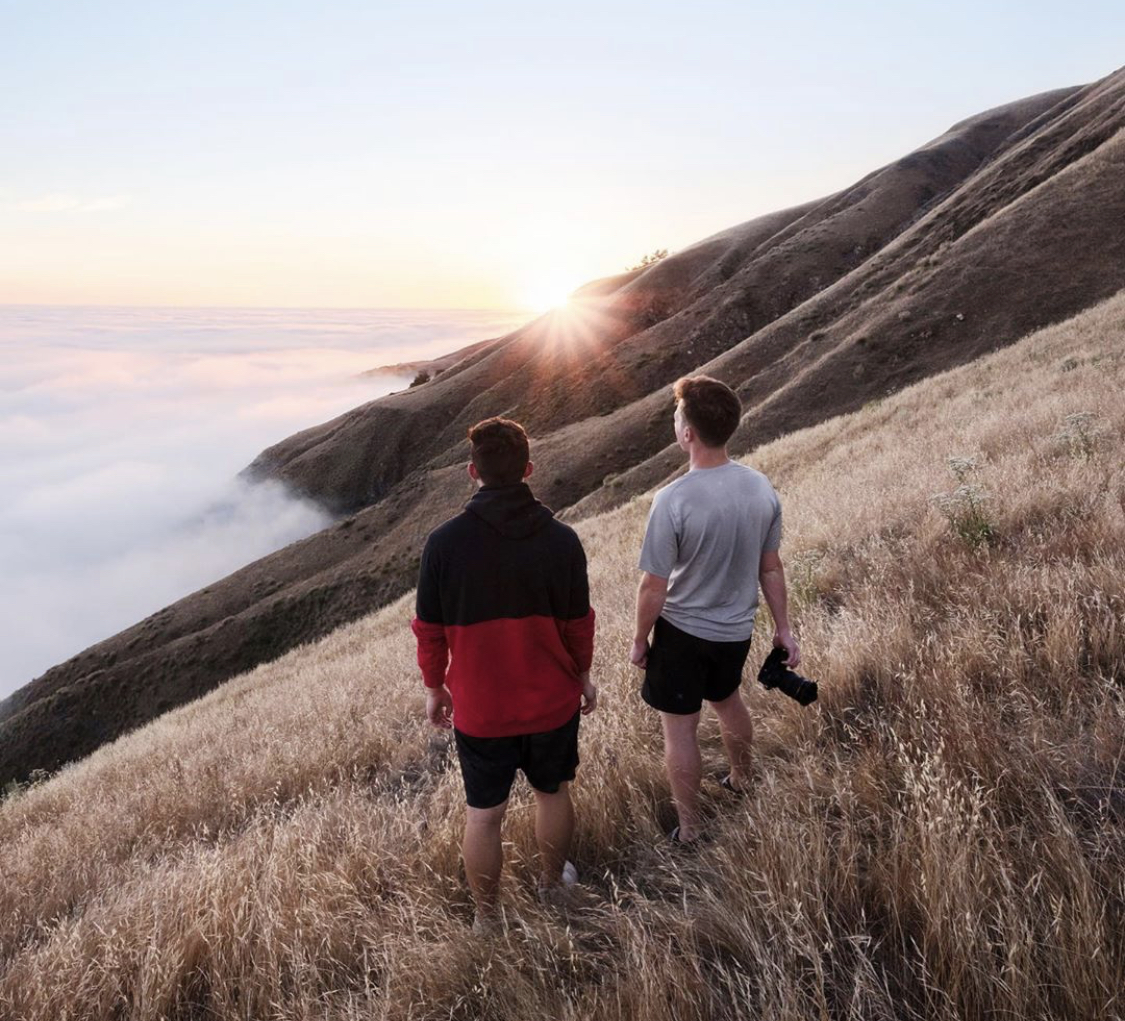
x=546, y=297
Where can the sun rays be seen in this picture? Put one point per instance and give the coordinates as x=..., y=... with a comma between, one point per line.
x=547, y=297
x=580, y=335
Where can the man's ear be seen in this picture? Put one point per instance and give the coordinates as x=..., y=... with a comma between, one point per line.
x=473, y=473
x=529, y=469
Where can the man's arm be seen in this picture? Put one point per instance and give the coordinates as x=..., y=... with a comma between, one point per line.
x=659, y=552
x=578, y=630
x=433, y=648
x=771, y=574
x=651, y=593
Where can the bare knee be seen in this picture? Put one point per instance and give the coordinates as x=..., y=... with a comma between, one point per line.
x=680, y=728
x=486, y=818
x=681, y=737
x=547, y=798
x=732, y=710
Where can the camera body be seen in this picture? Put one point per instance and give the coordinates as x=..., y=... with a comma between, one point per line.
x=775, y=674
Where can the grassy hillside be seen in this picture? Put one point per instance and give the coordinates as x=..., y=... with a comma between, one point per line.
x=941, y=836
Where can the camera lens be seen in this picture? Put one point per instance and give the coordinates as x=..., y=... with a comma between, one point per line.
x=774, y=674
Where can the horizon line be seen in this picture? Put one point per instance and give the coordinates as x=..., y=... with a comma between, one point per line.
x=272, y=308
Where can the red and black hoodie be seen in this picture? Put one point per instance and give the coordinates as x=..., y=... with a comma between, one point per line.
x=503, y=615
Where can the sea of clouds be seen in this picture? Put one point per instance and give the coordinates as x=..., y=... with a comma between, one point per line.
x=121, y=435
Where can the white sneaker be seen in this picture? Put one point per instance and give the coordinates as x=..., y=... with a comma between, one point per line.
x=558, y=895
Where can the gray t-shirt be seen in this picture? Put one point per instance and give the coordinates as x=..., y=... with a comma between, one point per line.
x=706, y=534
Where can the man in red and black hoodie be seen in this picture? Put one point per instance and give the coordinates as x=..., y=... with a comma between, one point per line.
x=505, y=639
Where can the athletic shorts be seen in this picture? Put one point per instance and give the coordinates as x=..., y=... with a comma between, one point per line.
x=489, y=764
x=683, y=670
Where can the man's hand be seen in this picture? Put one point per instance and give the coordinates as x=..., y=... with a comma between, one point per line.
x=639, y=656
x=439, y=707
x=785, y=640
x=589, y=694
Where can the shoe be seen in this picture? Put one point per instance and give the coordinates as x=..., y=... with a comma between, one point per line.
x=561, y=894
x=684, y=845
x=487, y=926
x=726, y=784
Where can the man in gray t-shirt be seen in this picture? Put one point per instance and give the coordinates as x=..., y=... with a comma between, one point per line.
x=712, y=536
x=706, y=534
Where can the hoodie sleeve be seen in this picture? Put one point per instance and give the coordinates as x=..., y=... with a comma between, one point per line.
x=578, y=628
x=428, y=625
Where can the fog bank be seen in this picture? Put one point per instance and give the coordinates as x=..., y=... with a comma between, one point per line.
x=122, y=434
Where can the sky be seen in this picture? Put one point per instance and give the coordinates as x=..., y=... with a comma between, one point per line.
x=451, y=155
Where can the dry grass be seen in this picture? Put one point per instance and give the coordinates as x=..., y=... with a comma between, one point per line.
x=942, y=836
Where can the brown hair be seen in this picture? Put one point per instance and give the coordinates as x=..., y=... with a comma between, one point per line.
x=499, y=451
x=711, y=408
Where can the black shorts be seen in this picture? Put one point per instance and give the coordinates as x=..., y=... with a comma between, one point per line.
x=489, y=764
x=684, y=670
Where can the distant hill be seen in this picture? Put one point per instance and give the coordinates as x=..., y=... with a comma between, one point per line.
x=1009, y=221
x=431, y=365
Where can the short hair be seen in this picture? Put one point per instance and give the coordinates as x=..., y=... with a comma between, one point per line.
x=711, y=408
x=500, y=451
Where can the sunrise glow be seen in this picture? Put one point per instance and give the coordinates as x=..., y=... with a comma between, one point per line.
x=547, y=297
x=135, y=179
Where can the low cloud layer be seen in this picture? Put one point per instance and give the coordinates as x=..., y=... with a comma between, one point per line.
x=123, y=431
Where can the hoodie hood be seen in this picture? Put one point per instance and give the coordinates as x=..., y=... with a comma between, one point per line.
x=511, y=510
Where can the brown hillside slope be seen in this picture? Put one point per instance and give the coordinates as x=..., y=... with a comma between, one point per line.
x=1039, y=232
x=788, y=296
x=940, y=838
x=639, y=337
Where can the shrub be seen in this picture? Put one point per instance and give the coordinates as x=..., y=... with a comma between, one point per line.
x=964, y=507
x=1078, y=434
x=651, y=259
x=14, y=788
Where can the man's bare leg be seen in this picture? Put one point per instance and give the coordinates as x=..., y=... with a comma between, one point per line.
x=685, y=769
x=484, y=855
x=554, y=829
x=737, y=729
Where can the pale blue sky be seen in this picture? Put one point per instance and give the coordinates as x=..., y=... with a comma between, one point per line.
x=453, y=154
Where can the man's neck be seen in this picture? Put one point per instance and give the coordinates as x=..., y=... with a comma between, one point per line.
x=707, y=457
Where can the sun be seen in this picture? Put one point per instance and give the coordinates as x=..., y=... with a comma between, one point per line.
x=546, y=297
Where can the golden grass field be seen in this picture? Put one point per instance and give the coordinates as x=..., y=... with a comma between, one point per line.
x=941, y=836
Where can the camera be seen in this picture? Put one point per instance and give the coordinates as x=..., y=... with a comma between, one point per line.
x=775, y=674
